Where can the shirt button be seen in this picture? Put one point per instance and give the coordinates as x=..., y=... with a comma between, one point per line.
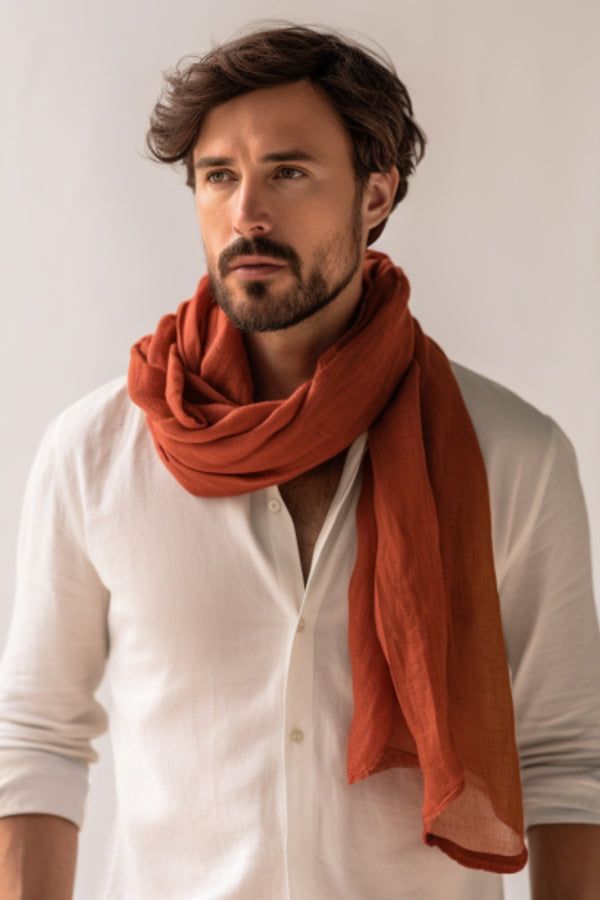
x=274, y=505
x=301, y=625
x=297, y=735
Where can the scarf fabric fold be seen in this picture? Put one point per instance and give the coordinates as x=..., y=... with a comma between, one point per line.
x=429, y=671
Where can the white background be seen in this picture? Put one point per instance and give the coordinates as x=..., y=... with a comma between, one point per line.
x=499, y=234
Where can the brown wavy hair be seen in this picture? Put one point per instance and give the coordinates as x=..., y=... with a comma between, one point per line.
x=362, y=87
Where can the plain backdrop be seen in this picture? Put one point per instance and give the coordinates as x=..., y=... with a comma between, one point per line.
x=499, y=233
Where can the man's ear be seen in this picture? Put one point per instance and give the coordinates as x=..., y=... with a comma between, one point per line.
x=378, y=197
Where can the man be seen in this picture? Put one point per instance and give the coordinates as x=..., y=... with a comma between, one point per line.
x=283, y=547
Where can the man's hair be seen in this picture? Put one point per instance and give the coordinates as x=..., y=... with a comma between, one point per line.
x=363, y=89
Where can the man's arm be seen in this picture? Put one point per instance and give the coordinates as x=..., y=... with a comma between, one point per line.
x=564, y=862
x=53, y=661
x=38, y=854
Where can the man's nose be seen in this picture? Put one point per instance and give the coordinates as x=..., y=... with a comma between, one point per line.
x=252, y=214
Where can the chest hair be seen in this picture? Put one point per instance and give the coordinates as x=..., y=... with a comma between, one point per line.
x=308, y=498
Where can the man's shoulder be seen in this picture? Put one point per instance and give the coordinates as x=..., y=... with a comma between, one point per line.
x=104, y=404
x=95, y=451
x=504, y=421
x=98, y=423
x=530, y=463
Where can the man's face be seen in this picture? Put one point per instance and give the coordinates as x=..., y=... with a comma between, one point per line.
x=280, y=212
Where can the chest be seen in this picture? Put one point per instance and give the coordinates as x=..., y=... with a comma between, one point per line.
x=308, y=498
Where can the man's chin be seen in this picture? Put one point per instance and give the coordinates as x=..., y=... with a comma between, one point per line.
x=253, y=307
x=253, y=324
x=256, y=307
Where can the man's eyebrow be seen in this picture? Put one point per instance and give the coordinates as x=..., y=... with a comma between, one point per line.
x=285, y=155
x=209, y=162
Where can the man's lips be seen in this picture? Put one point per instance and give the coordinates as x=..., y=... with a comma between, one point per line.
x=255, y=266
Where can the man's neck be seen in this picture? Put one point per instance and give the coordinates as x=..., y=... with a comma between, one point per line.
x=281, y=361
x=278, y=366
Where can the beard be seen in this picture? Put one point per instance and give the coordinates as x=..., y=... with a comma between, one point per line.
x=265, y=308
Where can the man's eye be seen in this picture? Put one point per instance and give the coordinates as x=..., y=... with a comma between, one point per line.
x=289, y=172
x=217, y=177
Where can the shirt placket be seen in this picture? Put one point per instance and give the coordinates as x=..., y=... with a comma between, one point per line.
x=298, y=750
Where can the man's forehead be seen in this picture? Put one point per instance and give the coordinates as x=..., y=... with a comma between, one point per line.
x=288, y=120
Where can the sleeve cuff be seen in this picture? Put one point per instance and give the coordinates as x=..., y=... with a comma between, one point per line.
x=34, y=781
x=572, y=798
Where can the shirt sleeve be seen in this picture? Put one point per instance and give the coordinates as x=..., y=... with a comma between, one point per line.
x=552, y=639
x=56, y=648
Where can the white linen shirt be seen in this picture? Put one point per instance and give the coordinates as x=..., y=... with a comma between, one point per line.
x=230, y=684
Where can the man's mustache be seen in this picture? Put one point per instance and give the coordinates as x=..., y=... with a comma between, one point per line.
x=258, y=246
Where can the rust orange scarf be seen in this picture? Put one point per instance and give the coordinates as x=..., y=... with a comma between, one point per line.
x=429, y=670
